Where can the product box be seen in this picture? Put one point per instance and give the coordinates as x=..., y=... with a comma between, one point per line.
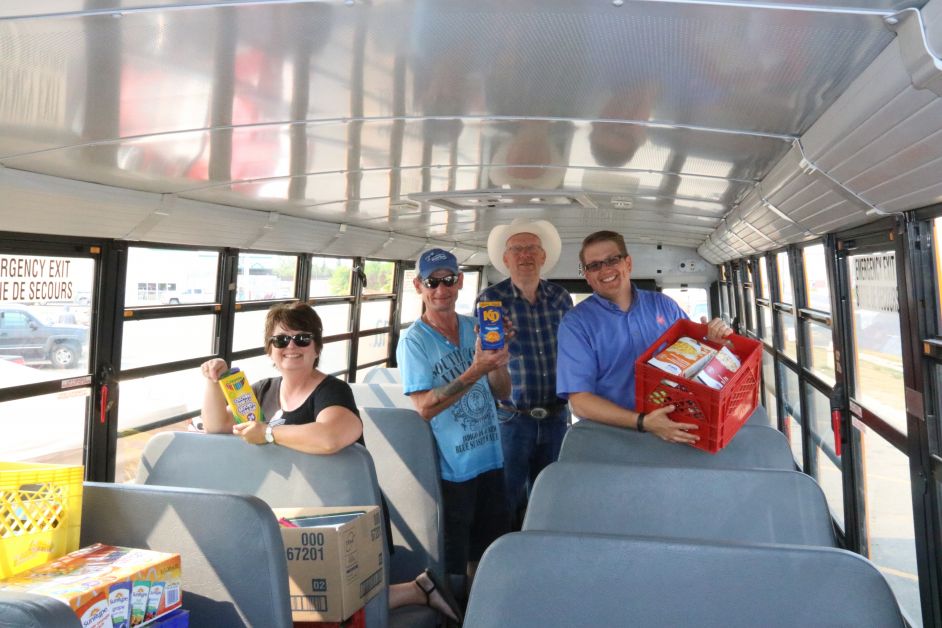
x=335, y=559
x=240, y=397
x=491, y=324
x=108, y=586
x=719, y=370
x=684, y=357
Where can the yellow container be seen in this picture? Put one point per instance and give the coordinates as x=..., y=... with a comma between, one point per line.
x=40, y=513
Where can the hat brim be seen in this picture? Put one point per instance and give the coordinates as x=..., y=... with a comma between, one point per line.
x=545, y=231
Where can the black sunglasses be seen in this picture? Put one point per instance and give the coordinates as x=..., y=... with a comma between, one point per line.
x=281, y=341
x=432, y=282
x=594, y=267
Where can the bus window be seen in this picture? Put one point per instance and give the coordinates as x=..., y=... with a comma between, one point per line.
x=785, y=292
x=825, y=465
x=263, y=277
x=769, y=387
x=330, y=277
x=764, y=277
x=822, y=350
x=170, y=276
x=792, y=405
x=379, y=277
x=468, y=293
x=56, y=424
x=694, y=301
x=816, y=278
x=878, y=354
x=411, y=301
x=181, y=337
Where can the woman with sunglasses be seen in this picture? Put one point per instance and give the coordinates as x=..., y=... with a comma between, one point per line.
x=309, y=411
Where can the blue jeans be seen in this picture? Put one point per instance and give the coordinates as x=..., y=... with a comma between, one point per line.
x=529, y=445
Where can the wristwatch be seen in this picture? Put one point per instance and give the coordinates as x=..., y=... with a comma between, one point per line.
x=269, y=435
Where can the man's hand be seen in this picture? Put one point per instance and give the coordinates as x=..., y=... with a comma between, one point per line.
x=717, y=329
x=661, y=425
x=487, y=360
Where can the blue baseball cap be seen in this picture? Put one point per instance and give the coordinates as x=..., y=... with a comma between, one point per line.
x=436, y=259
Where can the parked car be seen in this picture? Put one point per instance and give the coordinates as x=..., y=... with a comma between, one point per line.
x=24, y=332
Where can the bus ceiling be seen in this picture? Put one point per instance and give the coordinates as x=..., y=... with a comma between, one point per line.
x=378, y=128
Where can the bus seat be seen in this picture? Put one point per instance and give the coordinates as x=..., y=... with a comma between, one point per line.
x=234, y=571
x=754, y=447
x=736, y=505
x=378, y=395
x=537, y=579
x=29, y=610
x=383, y=376
x=281, y=477
x=406, y=460
x=759, y=417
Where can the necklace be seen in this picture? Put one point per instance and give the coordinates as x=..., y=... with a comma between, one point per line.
x=441, y=330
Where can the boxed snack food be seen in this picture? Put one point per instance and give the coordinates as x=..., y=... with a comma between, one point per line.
x=108, y=586
x=335, y=560
x=240, y=396
x=685, y=357
x=719, y=370
x=491, y=324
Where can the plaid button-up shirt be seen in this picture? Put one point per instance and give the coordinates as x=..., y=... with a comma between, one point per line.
x=533, y=350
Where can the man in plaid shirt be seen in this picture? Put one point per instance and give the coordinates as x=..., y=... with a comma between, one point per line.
x=534, y=421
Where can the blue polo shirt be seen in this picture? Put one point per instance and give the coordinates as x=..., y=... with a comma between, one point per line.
x=598, y=344
x=466, y=432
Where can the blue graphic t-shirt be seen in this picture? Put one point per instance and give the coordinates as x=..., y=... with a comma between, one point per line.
x=466, y=432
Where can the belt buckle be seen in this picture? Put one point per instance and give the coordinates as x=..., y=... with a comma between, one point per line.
x=539, y=413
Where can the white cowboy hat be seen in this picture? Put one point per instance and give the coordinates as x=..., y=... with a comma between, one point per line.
x=545, y=231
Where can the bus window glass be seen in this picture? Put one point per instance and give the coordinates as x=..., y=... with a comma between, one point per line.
x=374, y=314
x=785, y=293
x=335, y=358
x=411, y=302
x=890, y=520
x=372, y=348
x=766, y=313
x=258, y=368
x=56, y=426
x=816, y=278
x=181, y=337
x=335, y=317
x=263, y=276
x=792, y=405
x=750, y=297
x=468, y=293
x=937, y=244
x=789, y=342
x=764, y=277
x=822, y=350
x=694, y=301
x=144, y=402
x=330, y=277
x=878, y=353
x=379, y=277
x=724, y=302
x=248, y=330
x=170, y=277
x=769, y=386
x=45, y=309
x=825, y=465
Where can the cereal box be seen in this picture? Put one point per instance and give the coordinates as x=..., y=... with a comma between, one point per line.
x=491, y=324
x=240, y=397
x=108, y=586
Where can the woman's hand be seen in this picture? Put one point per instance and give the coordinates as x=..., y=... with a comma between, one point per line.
x=212, y=369
x=252, y=432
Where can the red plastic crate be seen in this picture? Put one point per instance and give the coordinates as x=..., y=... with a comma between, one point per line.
x=719, y=413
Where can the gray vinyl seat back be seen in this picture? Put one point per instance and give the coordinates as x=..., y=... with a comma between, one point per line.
x=383, y=376
x=31, y=610
x=753, y=447
x=555, y=579
x=406, y=460
x=734, y=505
x=378, y=395
x=759, y=416
x=279, y=476
x=234, y=571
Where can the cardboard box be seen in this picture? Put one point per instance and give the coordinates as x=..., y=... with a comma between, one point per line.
x=108, y=586
x=335, y=560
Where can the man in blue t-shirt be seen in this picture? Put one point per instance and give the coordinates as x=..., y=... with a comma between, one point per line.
x=452, y=382
x=600, y=339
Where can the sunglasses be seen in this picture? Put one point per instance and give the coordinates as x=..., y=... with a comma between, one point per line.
x=433, y=282
x=594, y=267
x=280, y=341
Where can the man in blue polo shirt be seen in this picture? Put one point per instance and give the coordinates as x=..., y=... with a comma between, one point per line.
x=452, y=382
x=534, y=421
x=600, y=339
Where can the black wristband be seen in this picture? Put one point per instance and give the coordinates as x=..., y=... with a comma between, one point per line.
x=639, y=425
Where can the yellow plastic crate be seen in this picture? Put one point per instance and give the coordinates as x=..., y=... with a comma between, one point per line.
x=40, y=513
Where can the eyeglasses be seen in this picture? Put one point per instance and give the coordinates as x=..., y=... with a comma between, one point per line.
x=594, y=267
x=280, y=341
x=519, y=249
x=433, y=282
